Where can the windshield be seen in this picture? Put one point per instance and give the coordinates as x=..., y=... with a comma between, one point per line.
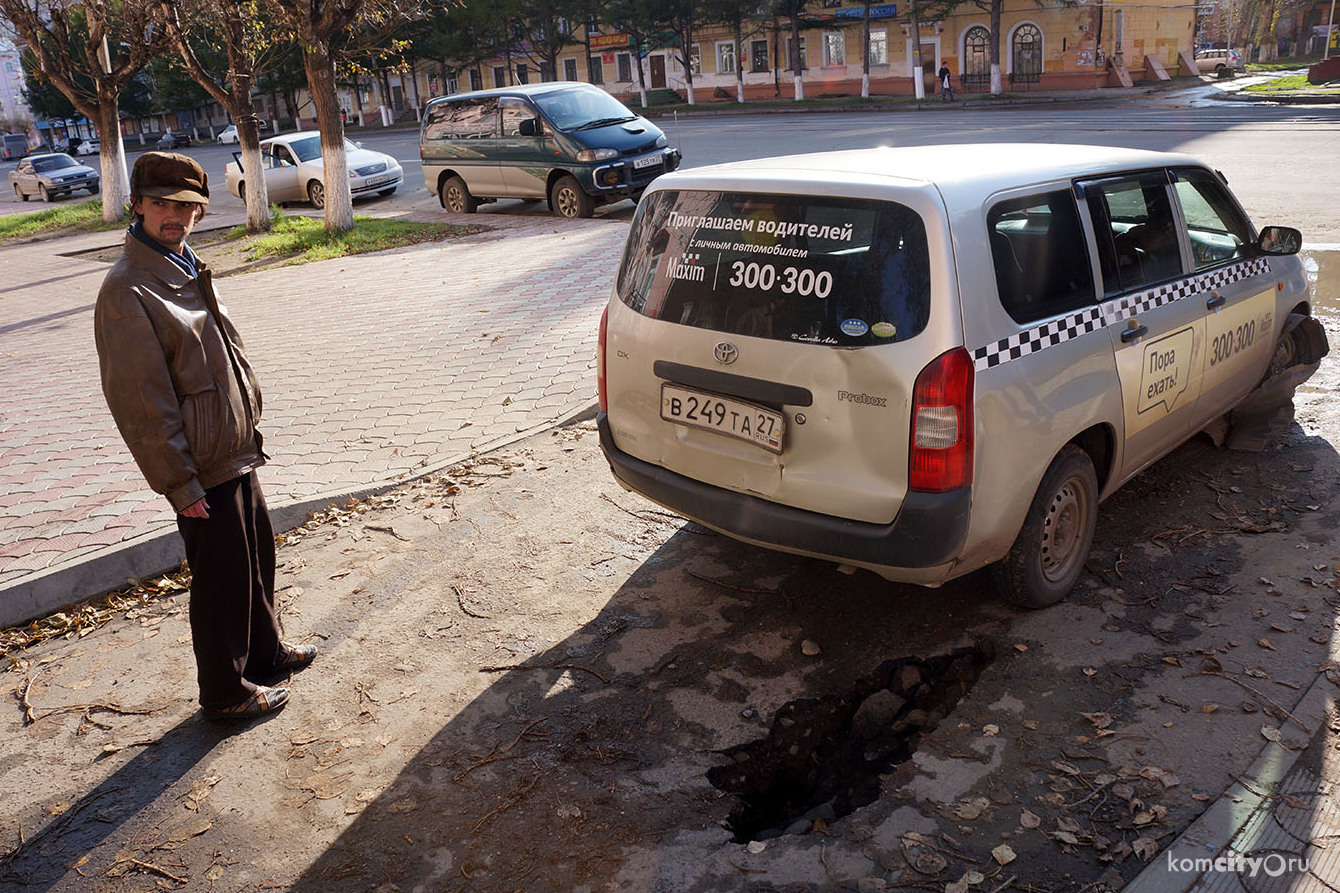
x=53, y=163
x=309, y=148
x=580, y=108
x=814, y=269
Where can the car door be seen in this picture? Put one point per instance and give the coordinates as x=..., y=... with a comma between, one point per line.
x=281, y=174
x=23, y=178
x=522, y=156
x=1157, y=329
x=1233, y=285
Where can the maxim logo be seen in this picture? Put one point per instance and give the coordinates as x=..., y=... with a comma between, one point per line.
x=687, y=268
x=725, y=353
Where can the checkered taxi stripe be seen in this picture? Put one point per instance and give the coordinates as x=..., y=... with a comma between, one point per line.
x=1082, y=322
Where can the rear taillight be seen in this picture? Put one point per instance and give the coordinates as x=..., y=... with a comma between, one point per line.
x=600, y=362
x=940, y=458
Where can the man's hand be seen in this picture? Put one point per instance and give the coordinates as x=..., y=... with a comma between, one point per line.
x=197, y=509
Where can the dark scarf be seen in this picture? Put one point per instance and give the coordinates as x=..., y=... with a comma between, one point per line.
x=186, y=260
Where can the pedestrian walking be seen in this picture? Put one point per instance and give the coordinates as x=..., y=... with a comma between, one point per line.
x=946, y=83
x=187, y=403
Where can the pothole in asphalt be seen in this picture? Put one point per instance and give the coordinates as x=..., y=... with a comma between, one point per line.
x=823, y=758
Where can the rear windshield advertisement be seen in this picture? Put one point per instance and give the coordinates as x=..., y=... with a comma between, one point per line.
x=812, y=269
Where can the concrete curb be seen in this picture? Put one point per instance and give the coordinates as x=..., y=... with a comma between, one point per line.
x=1255, y=791
x=159, y=551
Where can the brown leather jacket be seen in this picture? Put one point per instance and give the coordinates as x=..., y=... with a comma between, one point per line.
x=175, y=376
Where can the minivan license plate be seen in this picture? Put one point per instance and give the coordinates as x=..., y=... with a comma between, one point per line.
x=646, y=161
x=736, y=418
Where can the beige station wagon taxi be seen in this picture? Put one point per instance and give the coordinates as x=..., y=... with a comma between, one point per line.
x=927, y=361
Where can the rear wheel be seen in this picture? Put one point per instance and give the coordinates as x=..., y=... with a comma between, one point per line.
x=568, y=199
x=456, y=197
x=1049, y=554
x=316, y=193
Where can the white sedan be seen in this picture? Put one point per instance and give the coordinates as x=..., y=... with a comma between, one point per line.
x=294, y=171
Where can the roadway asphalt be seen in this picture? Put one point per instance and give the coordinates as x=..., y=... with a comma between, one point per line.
x=375, y=368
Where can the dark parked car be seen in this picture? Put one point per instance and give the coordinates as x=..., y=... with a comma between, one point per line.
x=170, y=140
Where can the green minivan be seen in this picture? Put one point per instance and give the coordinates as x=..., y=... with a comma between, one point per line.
x=568, y=142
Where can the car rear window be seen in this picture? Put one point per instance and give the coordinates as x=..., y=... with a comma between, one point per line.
x=813, y=269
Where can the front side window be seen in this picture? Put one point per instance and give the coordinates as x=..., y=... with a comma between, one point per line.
x=808, y=269
x=1138, y=242
x=835, y=48
x=1218, y=230
x=1040, y=257
x=514, y=111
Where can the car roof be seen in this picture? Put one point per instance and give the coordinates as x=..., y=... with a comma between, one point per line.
x=518, y=90
x=50, y=155
x=968, y=172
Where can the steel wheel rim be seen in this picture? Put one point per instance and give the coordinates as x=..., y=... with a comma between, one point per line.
x=1063, y=530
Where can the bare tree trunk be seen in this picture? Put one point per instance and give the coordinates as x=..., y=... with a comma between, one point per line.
x=797, y=64
x=737, y=33
x=918, y=76
x=997, y=82
x=320, y=68
x=865, y=53
x=641, y=73
x=112, y=160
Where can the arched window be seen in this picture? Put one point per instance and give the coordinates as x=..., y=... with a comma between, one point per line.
x=977, y=59
x=1026, y=55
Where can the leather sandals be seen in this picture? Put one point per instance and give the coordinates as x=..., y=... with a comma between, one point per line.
x=296, y=657
x=262, y=701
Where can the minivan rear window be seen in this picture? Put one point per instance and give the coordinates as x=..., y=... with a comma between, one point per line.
x=813, y=269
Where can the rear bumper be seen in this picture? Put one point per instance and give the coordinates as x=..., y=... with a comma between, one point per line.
x=930, y=529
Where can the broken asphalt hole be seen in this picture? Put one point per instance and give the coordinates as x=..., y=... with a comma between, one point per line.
x=823, y=758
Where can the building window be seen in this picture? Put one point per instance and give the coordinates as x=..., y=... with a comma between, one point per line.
x=758, y=56
x=726, y=57
x=522, y=73
x=454, y=82
x=624, y=63
x=804, y=64
x=547, y=73
x=696, y=59
x=595, y=70
x=1026, y=55
x=835, y=48
x=569, y=69
x=879, y=47
x=977, y=59
x=500, y=75
x=476, y=80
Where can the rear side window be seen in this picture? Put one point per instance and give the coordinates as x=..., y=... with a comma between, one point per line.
x=1040, y=256
x=812, y=269
x=462, y=120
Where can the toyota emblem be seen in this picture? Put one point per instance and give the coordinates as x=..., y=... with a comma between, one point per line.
x=726, y=353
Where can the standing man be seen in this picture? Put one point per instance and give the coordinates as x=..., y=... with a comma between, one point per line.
x=946, y=83
x=187, y=402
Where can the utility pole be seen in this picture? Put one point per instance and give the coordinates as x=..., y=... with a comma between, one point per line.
x=1330, y=23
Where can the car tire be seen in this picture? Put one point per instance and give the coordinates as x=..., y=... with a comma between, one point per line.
x=23, y=196
x=242, y=191
x=316, y=193
x=385, y=192
x=42, y=191
x=93, y=190
x=1049, y=554
x=456, y=197
x=567, y=198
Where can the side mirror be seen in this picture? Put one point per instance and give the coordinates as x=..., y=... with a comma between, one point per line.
x=1279, y=240
x=530, y=127
x=359, y=144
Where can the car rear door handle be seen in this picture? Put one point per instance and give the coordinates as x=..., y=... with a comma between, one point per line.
x=1134, y=332
x=1215, y=301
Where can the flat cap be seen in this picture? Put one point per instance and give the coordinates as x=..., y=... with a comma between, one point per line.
x=170, y=175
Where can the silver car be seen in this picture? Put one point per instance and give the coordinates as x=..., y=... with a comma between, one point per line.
x=294, y=170
x=52, y=175
x=926, y=361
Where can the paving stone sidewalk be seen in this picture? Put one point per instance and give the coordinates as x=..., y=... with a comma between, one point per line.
x=375, y=369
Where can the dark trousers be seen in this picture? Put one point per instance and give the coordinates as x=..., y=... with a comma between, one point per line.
x=234, y=630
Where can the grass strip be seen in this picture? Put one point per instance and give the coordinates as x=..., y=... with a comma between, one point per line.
x=300, y=239
x=65, y=219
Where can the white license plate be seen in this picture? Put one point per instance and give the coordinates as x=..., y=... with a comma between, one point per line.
x=377, y=181
x=647, y=161
x=735, y=418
